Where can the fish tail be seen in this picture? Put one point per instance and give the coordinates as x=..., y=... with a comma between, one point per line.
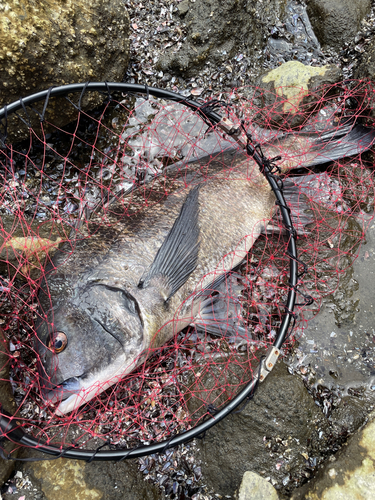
x=307, y=149
x=343, y=141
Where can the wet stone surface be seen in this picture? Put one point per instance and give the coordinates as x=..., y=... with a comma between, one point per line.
x=280, y=434
x=67, y=479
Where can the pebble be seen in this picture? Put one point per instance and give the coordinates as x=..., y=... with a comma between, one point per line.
x=255, y=487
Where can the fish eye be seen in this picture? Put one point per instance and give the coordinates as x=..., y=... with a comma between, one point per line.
x=59, y=342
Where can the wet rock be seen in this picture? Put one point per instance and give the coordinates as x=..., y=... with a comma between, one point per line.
x=56, y=42
x=255, y=487
x=350, y=475
x=366, y=68
x=67, y=479
x=335, y=23
x=349, y=415
x=271, y=436
x=7, y=406
x=121, y=480
x=215, y=31
x=343, y=236
x=290, y=88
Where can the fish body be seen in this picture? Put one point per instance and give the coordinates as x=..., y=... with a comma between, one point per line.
x=142, y=277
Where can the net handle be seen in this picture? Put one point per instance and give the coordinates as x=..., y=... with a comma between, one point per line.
x=11, y=427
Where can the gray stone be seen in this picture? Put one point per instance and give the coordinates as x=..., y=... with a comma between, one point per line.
x=366, y=69
x=255, y=487
x=273, y=435
x=216, y=30
x=336, y=22
x=183, y=7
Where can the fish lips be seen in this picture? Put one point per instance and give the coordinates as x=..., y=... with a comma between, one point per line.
x=56, y=393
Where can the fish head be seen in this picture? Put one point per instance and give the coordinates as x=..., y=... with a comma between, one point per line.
x=86, y=344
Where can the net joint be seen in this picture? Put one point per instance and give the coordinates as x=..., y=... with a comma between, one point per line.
x=205, y=110
x=308, y=299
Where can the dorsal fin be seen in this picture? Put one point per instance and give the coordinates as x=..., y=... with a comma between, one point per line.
x=177, y=257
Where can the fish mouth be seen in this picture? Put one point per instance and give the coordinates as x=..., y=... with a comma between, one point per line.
x=61, y=392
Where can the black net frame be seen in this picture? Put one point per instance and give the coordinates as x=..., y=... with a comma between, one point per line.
x=10, y=427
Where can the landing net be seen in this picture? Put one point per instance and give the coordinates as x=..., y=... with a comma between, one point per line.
x=87, y=166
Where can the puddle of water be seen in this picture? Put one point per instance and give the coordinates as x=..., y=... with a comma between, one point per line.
x=343, y=356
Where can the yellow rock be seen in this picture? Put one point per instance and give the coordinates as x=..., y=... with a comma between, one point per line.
x=351, y=476
x=32, y=245
x=291, y=80
x=31, y=249
x=64, y=479
x=255, y=487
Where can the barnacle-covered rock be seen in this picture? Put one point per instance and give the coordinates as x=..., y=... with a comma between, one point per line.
x=334, y=23
x=216, y=29
x=58, y=42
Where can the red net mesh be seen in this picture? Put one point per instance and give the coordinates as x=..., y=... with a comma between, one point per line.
x=72, y=197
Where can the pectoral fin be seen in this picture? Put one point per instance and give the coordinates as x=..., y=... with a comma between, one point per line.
x=177, y=257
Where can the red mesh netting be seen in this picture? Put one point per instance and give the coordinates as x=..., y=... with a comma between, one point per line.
x=159, y=336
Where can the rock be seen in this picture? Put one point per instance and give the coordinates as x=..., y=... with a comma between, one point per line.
x=255, y=487
x=351, y=475
x=70, y=479
x=335, y=23
x=273, y=436
x=57, y=42
x=290, y=88
x=25, y=243
x=64, y=479
x=216, y=30
x=183, y=8
x=366, y=69
x=217, y=385
x=8, y=405
x=349, y=415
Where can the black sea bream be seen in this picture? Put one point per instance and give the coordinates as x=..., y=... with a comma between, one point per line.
x=142, y=277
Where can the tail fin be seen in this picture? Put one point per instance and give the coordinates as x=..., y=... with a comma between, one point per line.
x=341, y=143
x=298, y=193
x=309, y=149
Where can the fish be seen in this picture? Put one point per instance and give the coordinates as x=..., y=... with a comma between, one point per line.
x=156, y=260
